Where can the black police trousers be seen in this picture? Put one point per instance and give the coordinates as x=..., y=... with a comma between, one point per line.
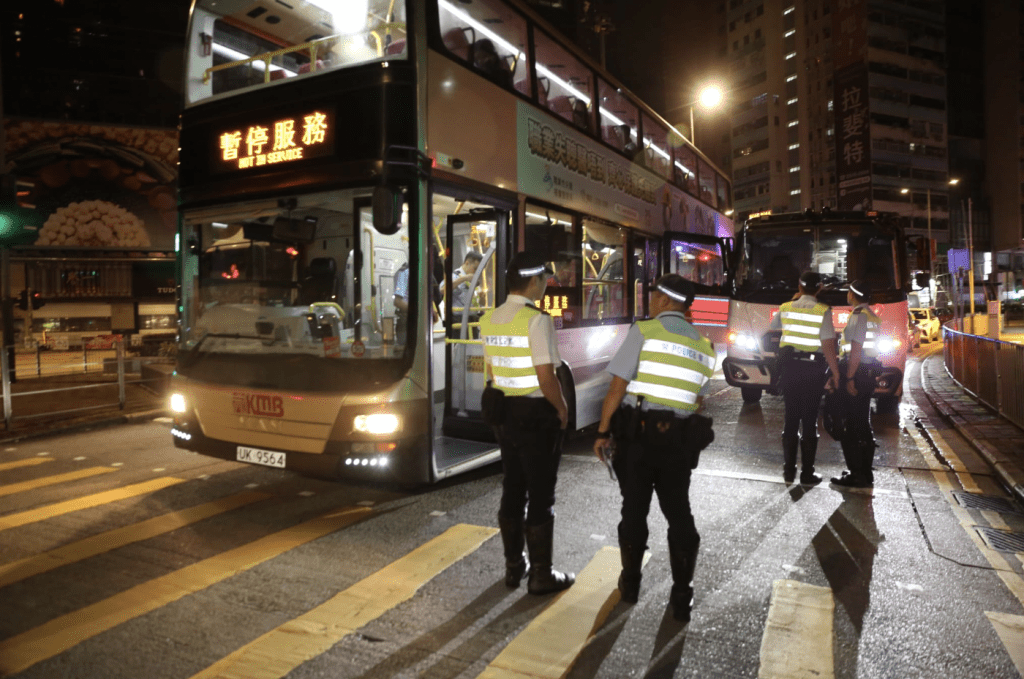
x=531, y=448
x=657, y=460
x=803, y=385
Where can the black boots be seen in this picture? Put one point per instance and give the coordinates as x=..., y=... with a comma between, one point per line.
x=629, y=579
x=808, y=450
x=858, y=455
x=513, y=541
x=543, y=578
x=789, y=446
x=684, y=560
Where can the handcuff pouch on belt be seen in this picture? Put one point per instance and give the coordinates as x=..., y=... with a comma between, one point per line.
x=492, y=406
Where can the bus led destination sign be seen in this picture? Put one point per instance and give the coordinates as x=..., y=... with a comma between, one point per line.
x=282, y=140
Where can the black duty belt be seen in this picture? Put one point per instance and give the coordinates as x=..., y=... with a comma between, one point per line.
x=807, y=356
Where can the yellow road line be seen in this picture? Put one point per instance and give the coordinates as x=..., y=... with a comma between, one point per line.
x=923, y=447
x=30, y=462
x=13, y=488
x=550, y=644
x=281, y=650
x=797, y=641
x=1010, y=629
x=20, y=652
x=68, y=506
x=114, y=539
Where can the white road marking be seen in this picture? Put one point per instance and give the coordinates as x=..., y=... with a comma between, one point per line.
x=437, y=513
x=910, y=587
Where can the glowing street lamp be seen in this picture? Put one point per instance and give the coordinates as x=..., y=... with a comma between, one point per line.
x=709, y=98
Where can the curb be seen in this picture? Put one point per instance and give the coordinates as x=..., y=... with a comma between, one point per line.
x=1006, y=469
x=126, y=418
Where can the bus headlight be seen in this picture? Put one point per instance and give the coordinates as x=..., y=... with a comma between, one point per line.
x=178, y=404
x=888, y=345
x=379, y=424
x=743, y=340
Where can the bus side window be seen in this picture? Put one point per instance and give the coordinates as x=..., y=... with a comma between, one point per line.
x=458, y=43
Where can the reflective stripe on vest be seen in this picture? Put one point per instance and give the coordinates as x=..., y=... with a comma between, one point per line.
x=507, y=345
x=801, y=328
x=870, y=347
x=672, y=367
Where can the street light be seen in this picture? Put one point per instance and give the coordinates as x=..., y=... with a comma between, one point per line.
x=931, y=260
x=709, y=97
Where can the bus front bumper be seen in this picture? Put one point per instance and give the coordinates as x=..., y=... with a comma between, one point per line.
x=405, y=463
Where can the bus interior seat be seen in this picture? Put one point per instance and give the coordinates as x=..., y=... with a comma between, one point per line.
x=457, y=42
x=321, y=281
x=543, y=89
x=305, y=68
x=487, y=61
x=580, y=113
x=561, y=106
x=279, y=74
x=397, y=47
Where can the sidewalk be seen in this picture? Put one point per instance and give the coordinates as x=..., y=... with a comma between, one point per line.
x=995, y=438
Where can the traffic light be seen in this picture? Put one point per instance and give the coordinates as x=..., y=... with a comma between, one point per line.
x=19, y=219
x=37, y=300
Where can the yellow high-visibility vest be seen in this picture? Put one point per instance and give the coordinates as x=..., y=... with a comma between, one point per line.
x=870, y=347
x=672, y=367
x=801, y=328
x=507, y=345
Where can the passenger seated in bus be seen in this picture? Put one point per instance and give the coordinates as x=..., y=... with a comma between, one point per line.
x=487, y=61
x=629, y=147
x=401, y=300
x=580, y=114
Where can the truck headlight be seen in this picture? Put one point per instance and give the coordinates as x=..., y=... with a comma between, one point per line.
x=381, y=423
x=178, y=404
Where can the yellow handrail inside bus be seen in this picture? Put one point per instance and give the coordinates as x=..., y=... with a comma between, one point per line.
x=333, y=305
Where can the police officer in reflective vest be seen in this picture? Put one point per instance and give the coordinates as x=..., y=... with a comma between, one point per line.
x=806, y=349
x=658, y=377
x=521, y=353
x=858, y=367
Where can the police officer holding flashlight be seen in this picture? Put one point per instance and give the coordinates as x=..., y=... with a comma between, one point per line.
x=658, y=376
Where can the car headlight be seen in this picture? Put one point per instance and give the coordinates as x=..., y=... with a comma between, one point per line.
x=178, y=404
x=743, y=340
x=380, y=423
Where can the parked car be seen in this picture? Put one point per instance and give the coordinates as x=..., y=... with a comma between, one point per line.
x=913, y=332
x=928, y=321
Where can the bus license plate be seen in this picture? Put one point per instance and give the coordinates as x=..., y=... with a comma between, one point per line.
x=268, y=458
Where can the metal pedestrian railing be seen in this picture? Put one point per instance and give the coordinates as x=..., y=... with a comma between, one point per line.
x=93, y=389
x=991, y=370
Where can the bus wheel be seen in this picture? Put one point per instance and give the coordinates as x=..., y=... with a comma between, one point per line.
x=750, y=394
x=887, y=404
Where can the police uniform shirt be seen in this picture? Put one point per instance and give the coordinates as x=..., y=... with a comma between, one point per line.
x=627, y=359
x=543, y=343
x=857, y=327
x=827, y=330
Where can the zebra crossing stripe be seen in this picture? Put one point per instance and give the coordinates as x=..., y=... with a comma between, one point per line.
x=30, y=462
x=85, y=502
x=550, y=644
x=20, y=652
x=281, y=650
x=13, y=488
x=1010, y=629
x=797, y=641
x=115, y=539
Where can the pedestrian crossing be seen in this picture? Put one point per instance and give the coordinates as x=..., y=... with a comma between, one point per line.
x=798, y=626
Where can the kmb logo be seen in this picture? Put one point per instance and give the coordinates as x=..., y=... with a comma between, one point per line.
x=257, y=404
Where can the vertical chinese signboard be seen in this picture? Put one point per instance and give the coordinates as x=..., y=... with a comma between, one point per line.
x=850, y=104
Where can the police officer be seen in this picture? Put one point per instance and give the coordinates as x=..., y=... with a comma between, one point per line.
x=858, y=367
x=658, y=376
x=521, y=353
x=806, y=349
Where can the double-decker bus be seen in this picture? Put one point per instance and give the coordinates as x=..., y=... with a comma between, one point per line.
x=774, y=250
x=354, y=177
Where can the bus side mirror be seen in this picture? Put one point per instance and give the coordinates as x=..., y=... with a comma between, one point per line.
x=387, y=210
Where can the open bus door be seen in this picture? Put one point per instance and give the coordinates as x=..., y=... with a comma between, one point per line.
x=459, y=426
x=706, y=261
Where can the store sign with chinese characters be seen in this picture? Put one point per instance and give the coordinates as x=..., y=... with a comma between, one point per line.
x=281, y=140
